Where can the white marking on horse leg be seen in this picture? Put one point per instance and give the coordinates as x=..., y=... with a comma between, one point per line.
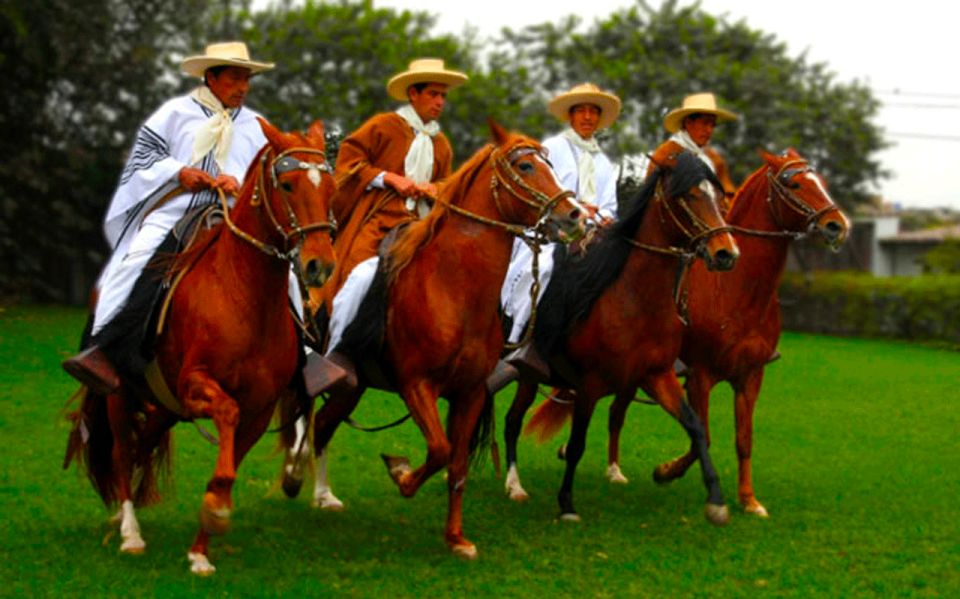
x=299, y=452
x=615, y=475
x=323, y=496
x=130, y=530
x=512, y=485
x=200, y=565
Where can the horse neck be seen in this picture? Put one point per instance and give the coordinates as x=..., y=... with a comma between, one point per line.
x=244, y=256
x=762, y=258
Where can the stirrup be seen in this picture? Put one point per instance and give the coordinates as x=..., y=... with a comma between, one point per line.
x=526, y=359
x=773, y=357
x=323, y=373
x=679, y=368
x=503, y=374
x=92, y=368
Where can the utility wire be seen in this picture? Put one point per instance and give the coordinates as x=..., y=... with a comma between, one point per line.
x=932, y=136
x=898, y=92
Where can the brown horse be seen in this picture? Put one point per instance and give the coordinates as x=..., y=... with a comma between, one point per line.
x=734, y=321
x=230, y=347
x=431, y=318
x=609, y=320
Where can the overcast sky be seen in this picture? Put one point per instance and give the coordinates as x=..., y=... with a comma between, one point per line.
x=904, y=46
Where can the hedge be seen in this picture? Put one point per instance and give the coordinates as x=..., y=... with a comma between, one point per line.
x=922, y=308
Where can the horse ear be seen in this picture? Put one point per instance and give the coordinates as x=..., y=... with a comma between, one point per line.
x=315, y=134
x=767, y=156
x=273, y=135
x=500, y=135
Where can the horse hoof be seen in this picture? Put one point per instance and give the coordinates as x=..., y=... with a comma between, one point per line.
x=328, y=502
x=133, y=546
x=570, y=517
x=465, y=550
x=615, y=475
x=718, y=515
x=397, y=466
x=200, y=565
x=664, y=474
x=214, y=520
x=291, y=487
x=518, y=495
x=754, y=507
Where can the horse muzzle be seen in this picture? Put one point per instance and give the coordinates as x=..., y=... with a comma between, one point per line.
x=833, y=227
x=317, y=272
x=720, y=252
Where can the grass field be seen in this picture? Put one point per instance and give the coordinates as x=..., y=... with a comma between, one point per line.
x=857, y=457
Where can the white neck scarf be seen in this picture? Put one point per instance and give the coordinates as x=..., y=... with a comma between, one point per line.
x=586, y=168
x=418, y=164
x=686, y=142
x=216, y=133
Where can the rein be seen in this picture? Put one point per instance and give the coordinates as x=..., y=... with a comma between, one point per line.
x=787, y=197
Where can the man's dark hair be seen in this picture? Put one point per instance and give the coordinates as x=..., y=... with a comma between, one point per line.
x=215, y=71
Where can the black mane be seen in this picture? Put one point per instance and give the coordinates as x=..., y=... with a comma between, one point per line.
x=578, y=281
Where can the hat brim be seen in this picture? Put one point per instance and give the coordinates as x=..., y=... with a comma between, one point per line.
x=675, y=117
x=196, y=66
x=398, y=84
x=609, y=106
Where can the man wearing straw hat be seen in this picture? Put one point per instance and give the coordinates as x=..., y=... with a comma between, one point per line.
x=385, y=173
x=692, y=126
x=186, y=150
x=580, y=165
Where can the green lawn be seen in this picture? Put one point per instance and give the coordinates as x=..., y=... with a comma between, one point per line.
x=857, y=457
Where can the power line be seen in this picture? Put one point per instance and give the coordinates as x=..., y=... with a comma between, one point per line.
x=931, y=136
x=913, y=105
x=899, y=92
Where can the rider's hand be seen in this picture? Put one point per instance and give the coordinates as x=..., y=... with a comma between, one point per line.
x=228, y=183
x=194, y=179
x=427, y=190
x=405, y=187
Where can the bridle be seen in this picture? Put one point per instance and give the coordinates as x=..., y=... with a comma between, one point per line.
x=779, y=191
x=283, y=163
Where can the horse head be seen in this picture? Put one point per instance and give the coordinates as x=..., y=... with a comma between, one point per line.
x=799, y=200
x=689, y=202
x=533, y=195
x=296, y=185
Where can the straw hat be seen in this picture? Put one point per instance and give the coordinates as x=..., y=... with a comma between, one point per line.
x=231, y=54
x=423, y=70
x=586, y=93
x=694, y=103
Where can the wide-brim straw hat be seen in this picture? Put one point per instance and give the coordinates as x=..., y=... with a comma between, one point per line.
x=586, y=93
x=423, y=70
x=703, y=103
x=231, y=54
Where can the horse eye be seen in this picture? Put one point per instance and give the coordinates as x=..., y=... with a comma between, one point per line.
x=286, y=186
x=525, y=167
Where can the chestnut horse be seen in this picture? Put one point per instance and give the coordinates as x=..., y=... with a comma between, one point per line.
x=609, y=320
x=230, y=346
x=431, y=322
x=735, y=317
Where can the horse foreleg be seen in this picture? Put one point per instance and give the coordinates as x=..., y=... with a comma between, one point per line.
x=122, y=455
x=526, y=393
x=335, y=410
x=745, y=399
x=698, y=386
x=421, y=400
x=666, y=390
x=582, y=412
x=618, y=415
x=465, y=411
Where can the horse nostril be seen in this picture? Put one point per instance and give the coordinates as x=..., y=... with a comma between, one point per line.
x=833, y=229
x=724, y=259
x=575, y=215
x=317, y=273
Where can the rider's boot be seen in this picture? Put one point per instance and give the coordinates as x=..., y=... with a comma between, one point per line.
x=503, y=374
x=334, y=371
x=527, y=360
x=92, y=368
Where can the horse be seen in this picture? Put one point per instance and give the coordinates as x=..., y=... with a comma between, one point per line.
x=735, y=321
x=431, y=318
x=609, y=320
x=230, y=346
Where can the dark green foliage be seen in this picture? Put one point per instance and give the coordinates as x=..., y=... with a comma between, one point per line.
x=925, y=308
x=84, y=76
x=944, y=258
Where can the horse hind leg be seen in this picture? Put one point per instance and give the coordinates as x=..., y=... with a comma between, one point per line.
x=513, y=422
x=296, y=458
x=583, y=411
x=618, y=415
x=698, y=395
x=122, y=456
x=465, y=413
x=335, y=410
